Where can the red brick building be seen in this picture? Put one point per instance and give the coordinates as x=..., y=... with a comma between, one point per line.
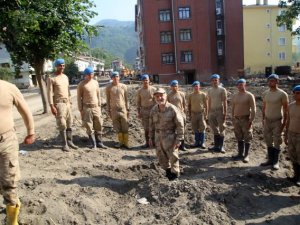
x=190, y=39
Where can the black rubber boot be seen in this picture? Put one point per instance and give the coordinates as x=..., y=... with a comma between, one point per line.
x=241, y=149
x=246, y=154
x=298, y=178
x=276, y=153
x=173, y=176
x=270, y=157
x=93, y=143
x=216, y=143
x=296, y=174
x=202, y=140
x=197, y=140
x=182, y=146
x=99, y=142
x=168, y=173
x=70, y=139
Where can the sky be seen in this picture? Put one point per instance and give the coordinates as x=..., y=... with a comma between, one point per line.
x=123, y=10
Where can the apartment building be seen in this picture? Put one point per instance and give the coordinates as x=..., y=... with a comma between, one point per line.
x=190, y=39
x=267, y=45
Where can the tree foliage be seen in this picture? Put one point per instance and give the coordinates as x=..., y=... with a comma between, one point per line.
x=6, y=74
x=290, y=14
x=34, y=31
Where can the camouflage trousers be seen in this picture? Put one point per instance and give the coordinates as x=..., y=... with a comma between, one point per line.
x=241, y=129
x=272, y=133
x=9, y=167
x=145, y=114
x=168, y=156
x=64, y=117
x=120, y=121
x=198, y=122
x=294, y=146
x=216, y=121
x=92, y=120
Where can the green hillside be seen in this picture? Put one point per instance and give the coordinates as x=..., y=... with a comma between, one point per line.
x=118, y=38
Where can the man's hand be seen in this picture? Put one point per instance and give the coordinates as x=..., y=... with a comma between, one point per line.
x=53, y=110
x=29, y=139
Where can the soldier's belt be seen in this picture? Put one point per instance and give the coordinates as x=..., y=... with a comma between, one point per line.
x=90, y=105
x=242, y=117
x=63, y=100
x=5, y=135
x=272, y=120
x=165, y=131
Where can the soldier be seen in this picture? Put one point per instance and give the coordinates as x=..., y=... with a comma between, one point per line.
x=217, y=109
x=197, y=107
x=292, y=134
x=59, y=98
x=145, y=101
x=243, y=113
x=89, y=105
x=166, y=125
x=118, y=108
x=274, y=115
x=177, y=98
x=9, y=147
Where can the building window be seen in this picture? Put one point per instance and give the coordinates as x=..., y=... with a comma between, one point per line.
x=165, y=15
x=268, y=25
x=165, y=37
x=282, y=41
x=281, y=12
x=268, y=10
x=184, y=13
x=185, y=34
x=282, y=55
x=5, y=65
x=220, y=47
x=282, y=28
x=219, y=27
x=186, y=56
x=167, y=58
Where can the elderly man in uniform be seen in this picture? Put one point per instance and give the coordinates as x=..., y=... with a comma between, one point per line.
x=197, y=108
x=59, y=98
x=177, y=98
x=89, y=105
x=9, y=147
x=145, y=101
x=167, y=126
x=292, y=134
x=274, y=115
x=217, y=110
x=243, y=113
x=118, y=108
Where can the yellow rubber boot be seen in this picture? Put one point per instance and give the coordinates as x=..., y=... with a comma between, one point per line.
x=125, y=140
x=120, y=138
x=12, y=214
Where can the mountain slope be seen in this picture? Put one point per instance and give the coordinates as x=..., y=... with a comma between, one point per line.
x=118, y=38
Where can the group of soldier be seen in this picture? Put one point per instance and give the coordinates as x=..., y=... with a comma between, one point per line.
x=164, y=119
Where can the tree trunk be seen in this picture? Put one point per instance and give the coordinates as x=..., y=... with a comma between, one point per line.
x=41, y=78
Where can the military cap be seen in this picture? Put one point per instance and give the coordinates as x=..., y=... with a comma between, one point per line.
x=196, y=83
x=296, y=88
x=273, y=76
x=88, y=70
x=59, y=62
x=241, y=81
x=115, y=73
x=159, y=91
x=215, y=76
x=144, y=77
x=174, y=83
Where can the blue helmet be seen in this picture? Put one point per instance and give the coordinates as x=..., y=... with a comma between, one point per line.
x=144, y=77
x=174, y=83
x=273, y=76
x=59, y=62
x=215, y=76
x=115, y=73
x=241, y=81
x=88, y=70
x=296, y=88
x=196, y=83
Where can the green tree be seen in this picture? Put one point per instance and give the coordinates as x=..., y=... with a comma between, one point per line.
x=34, y=31
x=71, y=70
x=290, y=14
x=6, y=74
x=103, y=54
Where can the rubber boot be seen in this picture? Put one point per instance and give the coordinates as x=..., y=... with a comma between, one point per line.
x=197, y=140
x=12, y=214
x=168, y=173
x=125, y=140
x=276, y=153
x=99, y=142
x=296, y=174
x=270, y=157
x=298, y=178
x=147, y=140
x=202, y=140
x=120, y=143
x=216, y=144
x=246, y=155
x=93, y=143
x=182, y=146
x=221, y=144
x=70, y=139
x=173, y=176
x=241, y=149
x=65, y=146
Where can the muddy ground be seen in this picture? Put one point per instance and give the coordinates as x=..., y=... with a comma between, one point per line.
x=89, y=187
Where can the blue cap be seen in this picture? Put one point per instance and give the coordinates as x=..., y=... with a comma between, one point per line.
x=115, y=73
x=174, y=83
x=59, y=62
x=273, y=76
x=241, y=81
x=196, y=83
x=88, y=70
x=144, y=77
x=215, y=76
x=296, y=88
